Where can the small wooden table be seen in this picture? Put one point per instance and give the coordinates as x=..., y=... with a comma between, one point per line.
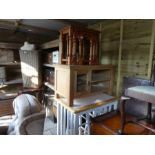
x=76, y=119
x=143, y=93
x=7, y=97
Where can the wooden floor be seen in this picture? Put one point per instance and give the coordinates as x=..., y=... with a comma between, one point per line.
x=111, y=125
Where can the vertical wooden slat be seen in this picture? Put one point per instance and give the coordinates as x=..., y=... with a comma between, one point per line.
x=61, y=119
x=88, y=123
x=71, y=123
x=80, y=123
x=64, y=120
x=58, y=119
x=100, y=44
x=67, y=52
x=74, y=124
x=80, y=50
x=119, y=58
x=68, y=120
x=74, y=50
x=151, y=50
x=91, y=52
x=60, y=49
x=69, y=49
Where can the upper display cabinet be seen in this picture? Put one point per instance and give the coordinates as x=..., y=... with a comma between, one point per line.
x=79, y=46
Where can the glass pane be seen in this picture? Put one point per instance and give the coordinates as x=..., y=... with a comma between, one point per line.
x=99, y=75
x=103, y=86
x=81, y=82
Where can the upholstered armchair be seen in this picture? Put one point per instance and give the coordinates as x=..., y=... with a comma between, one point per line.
x=29, y=116
x=32, y=124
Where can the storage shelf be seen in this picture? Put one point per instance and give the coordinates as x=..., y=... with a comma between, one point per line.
x=10, y=64
x=49, y=85
x=16, y=81
x=100, y=81
x=49, y=65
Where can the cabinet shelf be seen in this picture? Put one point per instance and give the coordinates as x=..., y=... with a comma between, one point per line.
x=99, y=81
x=49, y=85
x=16, y=81
x=49, y=65
x=10, y=64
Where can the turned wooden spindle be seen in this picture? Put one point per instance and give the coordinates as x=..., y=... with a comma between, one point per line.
x=69, y=50
x=75, y=46
x=80, y=50
x=91, y=52
x=62, y=48
x=74, y=57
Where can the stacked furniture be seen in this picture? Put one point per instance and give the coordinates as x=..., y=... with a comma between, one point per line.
x=83, y=88
x=79, y=45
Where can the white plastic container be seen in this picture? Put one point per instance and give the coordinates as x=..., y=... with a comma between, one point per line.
x=55, y=57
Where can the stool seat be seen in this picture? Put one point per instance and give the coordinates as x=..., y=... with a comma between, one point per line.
x=143, y=93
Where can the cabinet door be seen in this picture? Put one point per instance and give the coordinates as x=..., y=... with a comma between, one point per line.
x=82, y=83
x=101, y=81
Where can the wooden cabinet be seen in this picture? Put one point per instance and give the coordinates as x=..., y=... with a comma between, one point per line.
x=76, y=81
x=79, y=46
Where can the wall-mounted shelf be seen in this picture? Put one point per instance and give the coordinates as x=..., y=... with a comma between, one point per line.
x=51, y=44
x=99, y=81
x=16, y=81
x=49, y=85
x=49, y=65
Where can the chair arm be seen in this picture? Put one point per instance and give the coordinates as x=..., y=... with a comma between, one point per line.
x=33, y=124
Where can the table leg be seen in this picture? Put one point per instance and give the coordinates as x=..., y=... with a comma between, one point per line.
x=123, y=116
x=149, y=110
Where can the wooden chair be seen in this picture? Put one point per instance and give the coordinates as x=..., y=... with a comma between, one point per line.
x=111, y=123
x=141, y=93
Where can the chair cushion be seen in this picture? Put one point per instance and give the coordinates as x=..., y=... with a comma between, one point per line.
x=143, y=93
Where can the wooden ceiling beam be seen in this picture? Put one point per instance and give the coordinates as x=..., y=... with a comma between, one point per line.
x=19, y=37
x=10, y=45
x=69, y=22
x=4, y=24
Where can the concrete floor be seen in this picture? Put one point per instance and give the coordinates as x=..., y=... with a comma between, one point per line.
x=50, y=128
